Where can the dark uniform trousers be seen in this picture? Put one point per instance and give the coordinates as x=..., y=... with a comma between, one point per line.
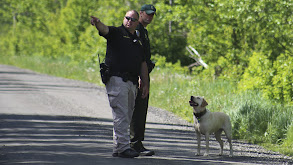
x=137, y=125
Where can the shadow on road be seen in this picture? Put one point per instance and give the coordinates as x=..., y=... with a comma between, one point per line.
x=36, y=140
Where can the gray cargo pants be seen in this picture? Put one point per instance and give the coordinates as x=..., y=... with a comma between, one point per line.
x=121, y=97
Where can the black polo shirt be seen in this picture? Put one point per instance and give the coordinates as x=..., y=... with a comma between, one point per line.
x=143, y=35
x=124, y=51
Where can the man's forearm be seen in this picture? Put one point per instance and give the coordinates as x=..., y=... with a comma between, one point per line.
x=102, y=28
x=144, y=75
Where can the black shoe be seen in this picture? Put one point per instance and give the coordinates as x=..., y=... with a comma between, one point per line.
x=128, y=153
x=115, y=154
x=138, y=147
x=145, y=152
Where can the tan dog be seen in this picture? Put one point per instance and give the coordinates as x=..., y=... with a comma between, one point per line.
x=207, y=122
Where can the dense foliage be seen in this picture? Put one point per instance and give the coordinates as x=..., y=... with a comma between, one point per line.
x=247, y=41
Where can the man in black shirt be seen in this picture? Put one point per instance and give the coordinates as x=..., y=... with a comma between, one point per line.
x=137, y=125
x=126, y=61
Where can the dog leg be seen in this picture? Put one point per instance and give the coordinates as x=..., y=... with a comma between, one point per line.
x=231, y=150
x=228, y=133
x=198, y=143
x=207, y=136
x=218, y=138
x=229, y=136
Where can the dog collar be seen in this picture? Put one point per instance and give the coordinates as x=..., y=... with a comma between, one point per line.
x=199, y=115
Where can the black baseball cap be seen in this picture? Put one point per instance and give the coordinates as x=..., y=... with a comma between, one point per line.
x=149, y=9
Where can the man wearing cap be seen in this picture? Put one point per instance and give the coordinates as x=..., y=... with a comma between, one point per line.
x=126, y=62
x=137, y=125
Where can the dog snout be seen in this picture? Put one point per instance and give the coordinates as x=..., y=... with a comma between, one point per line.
x=192, y=103
x=191, y=98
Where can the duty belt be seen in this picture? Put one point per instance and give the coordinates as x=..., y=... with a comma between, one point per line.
x=126, y=77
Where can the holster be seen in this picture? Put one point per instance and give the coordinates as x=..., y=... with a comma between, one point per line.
x=105, y=73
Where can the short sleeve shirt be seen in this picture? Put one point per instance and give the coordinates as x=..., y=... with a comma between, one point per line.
x=124, y=51
x=143, y=35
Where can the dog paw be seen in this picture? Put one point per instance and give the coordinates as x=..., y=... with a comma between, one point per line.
x=197, y=154
x=205, y=154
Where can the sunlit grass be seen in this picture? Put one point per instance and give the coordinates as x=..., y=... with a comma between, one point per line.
x=176, y=89
x=61, y=67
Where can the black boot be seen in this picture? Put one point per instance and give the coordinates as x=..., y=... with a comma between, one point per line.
x=138, y=147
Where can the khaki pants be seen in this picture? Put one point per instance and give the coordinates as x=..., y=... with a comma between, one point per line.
x=121, y=97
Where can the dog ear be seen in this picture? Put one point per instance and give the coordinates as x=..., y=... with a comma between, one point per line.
x=204, y=103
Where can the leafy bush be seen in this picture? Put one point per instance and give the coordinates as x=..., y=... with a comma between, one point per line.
x=174, y=68
x=273, y=78
x=281, y=87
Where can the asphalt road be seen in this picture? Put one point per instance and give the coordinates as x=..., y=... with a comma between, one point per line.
x=49, y=120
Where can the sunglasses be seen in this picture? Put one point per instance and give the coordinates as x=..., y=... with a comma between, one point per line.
x=132, y=19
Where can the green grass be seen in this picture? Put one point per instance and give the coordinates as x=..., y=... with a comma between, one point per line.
x=61, y=67
x=254, y=118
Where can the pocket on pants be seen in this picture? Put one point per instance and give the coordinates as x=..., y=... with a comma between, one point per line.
x=113, y=91
x=113, y=97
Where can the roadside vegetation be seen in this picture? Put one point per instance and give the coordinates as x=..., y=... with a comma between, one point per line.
x=247, y=44
x=254, y=118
